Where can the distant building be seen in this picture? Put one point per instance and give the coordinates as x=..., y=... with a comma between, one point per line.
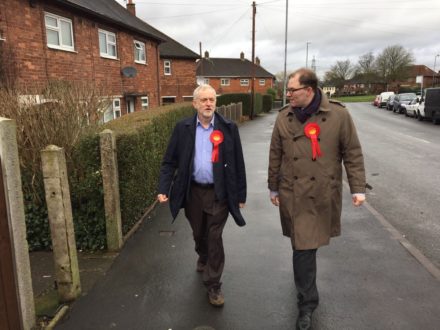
x=233, y=75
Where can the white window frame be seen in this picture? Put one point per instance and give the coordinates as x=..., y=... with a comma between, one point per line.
x=262, y=82
x=108, y=44
x=144, y=102
x=167, y=67
x=225, y=82
x=140, y=47
x=244, y=82
x=116, y=103
x=57, y=29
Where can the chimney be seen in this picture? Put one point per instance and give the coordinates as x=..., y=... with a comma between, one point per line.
x=257, y=61
x=242, y=56
x=206, y=54
x=131, y=7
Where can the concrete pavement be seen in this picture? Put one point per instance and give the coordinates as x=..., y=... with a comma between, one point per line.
x=366, y=278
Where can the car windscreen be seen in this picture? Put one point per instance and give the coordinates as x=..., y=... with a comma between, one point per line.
x=407, y=97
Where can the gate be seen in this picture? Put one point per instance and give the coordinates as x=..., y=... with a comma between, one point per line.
x=9, y=308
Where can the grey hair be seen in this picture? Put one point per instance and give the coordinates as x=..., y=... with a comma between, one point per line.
x=202, y=87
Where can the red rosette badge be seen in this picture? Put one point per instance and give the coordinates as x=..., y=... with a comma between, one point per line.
x=312, y=132
x=216, y=138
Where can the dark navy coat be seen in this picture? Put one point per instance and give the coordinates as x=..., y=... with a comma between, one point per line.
x=229, y=172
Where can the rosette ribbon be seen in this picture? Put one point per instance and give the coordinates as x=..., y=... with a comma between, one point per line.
x=312, y=132
x=216, y=138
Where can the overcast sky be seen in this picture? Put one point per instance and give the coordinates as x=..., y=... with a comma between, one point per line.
x=336, y=29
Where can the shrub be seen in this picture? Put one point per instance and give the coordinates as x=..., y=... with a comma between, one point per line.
x=267, y=103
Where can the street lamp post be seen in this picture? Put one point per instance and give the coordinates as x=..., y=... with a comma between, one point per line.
x=435, y=73
x=307, y=53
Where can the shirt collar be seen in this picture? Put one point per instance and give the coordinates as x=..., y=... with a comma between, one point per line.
x=211, y=124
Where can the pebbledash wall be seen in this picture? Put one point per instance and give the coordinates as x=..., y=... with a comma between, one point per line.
x=22, y=28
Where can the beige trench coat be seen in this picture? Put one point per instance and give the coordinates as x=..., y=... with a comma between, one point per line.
x=310, y=192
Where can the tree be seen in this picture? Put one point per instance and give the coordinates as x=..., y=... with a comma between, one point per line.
x=340, y=73
x=393, y=63
x=366, y=68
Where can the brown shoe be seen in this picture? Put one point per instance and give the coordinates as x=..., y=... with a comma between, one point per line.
x=200, y=266
x=216, y=297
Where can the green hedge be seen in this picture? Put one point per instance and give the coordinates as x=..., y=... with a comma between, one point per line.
x=245, y=99
x=267, y=103
x=139, y=156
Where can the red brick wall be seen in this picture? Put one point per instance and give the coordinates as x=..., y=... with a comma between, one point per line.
x=235, y=87
x=24, y=29
x=182, y=80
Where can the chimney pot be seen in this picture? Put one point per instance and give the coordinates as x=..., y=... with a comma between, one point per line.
x=242, y=56
x=131, y=7
x=206, y=54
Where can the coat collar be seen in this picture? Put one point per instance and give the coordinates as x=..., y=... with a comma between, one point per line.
x=324, y=106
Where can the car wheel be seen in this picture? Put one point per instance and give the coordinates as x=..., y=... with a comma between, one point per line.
x=419, y=116
x=406, y=113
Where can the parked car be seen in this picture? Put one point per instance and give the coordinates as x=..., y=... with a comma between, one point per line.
x=383, y=98
x=402, y=98
x=411, y=108
x=390, y=102
x=376, y=101
x=431, y=104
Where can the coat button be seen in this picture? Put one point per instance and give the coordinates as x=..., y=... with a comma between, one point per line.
x=295, y=158
x=312, y=178
x=290, y=119
x=295, y=177
x=324, y=119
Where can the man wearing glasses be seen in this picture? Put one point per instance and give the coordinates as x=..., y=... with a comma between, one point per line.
x=311, y=139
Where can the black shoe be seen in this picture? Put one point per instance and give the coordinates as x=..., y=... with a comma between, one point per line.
x=304, y=321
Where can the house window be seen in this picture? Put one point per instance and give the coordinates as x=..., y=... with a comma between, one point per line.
x=206, y=81
x=244, y=82
x=59, y=32
x=139, y=52
x=167, y=67
x=107, y=44
x=262, y=82
x=168, y=100
x=225, y=82
x=144, y=102
x=113, y=111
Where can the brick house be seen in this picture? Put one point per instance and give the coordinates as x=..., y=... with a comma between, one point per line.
x=429, y=78
x=233, y=75
x=79, y=40
x=177, y=68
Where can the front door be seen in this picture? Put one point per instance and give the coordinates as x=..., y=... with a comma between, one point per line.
x=130, y=104
x=9, y=309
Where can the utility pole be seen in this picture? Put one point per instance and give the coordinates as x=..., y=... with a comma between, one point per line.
x=254, y=12
x=285, y=55
x=201, y=61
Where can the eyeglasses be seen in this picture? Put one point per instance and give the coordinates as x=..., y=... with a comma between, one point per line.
x=293, y=90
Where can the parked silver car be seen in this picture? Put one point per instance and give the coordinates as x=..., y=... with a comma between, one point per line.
x=403, y=98
x=411, y=108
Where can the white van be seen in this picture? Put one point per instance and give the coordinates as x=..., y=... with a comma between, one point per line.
x=383, y=98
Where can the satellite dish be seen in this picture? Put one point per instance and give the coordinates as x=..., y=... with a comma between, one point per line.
x=129, y=72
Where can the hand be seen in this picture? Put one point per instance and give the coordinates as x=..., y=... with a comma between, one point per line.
x=162, y=198
x=241, y=205
x=358, y=199
x=275, y=200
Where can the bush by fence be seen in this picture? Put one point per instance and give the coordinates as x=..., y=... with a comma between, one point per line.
x=245, y=99
x=141, y=141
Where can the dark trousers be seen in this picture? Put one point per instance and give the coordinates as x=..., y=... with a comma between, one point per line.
x=304, y=270
x=207, y=217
